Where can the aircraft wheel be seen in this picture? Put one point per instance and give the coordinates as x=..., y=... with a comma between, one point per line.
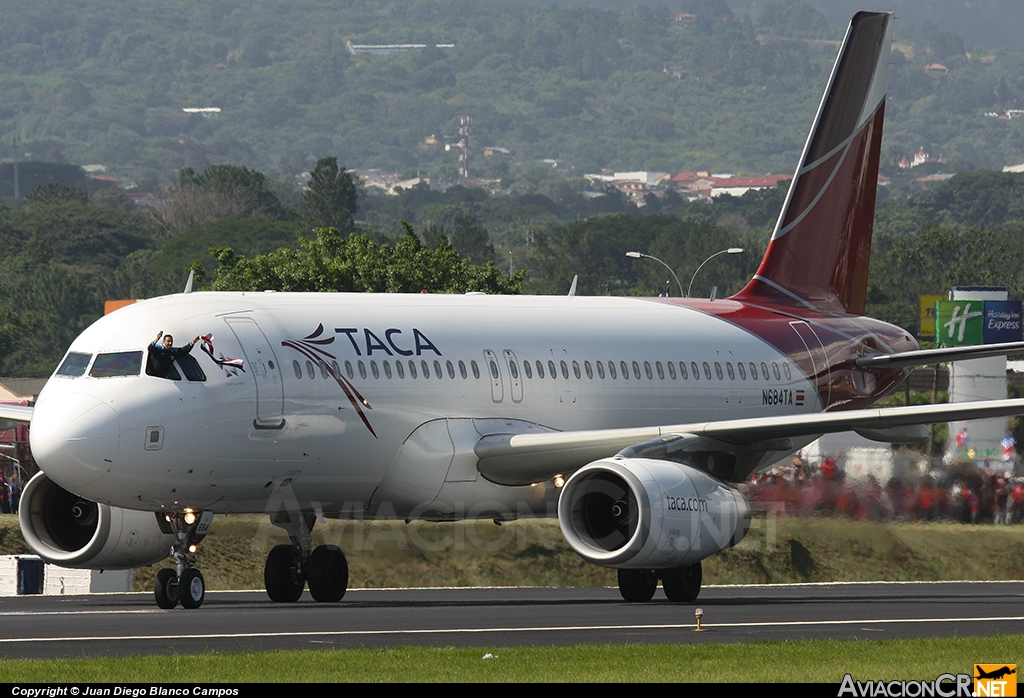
x=327, y=573
x=637, y=585
x=682, y=584
x=192, y=588
x=166, y=588
x=282, y=574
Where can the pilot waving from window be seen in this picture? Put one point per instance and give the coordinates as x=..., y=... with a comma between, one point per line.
x=162, y=355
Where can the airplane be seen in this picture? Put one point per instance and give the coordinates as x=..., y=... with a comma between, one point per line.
x=627, y=418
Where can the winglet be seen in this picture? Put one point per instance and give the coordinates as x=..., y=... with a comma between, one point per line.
x=818, y=255
x=188, y=284
x=572, y=289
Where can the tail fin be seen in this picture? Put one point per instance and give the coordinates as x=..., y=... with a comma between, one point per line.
x=818, y=255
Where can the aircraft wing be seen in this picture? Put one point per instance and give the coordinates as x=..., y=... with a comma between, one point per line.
x=521, y=459
x=12, y=415
x=925, y=357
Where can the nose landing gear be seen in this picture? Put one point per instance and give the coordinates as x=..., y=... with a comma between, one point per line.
x=289, y=568
x=184, y=584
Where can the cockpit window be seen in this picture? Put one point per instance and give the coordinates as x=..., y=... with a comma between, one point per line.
x=122, y=363
x=190, y=367
x=74, y=364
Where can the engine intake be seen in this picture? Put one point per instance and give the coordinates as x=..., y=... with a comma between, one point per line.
x=70, y=531
x=650, y=514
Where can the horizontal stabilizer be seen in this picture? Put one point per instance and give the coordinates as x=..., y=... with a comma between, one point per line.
x=926, y=357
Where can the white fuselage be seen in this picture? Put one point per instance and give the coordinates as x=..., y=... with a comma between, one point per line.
x=419, y=379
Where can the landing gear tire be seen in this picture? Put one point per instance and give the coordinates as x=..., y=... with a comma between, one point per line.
x=637, y=586
x=282, y=575
x=191, y=588
x=327, y=574
x=166, y=589
x=682, y=584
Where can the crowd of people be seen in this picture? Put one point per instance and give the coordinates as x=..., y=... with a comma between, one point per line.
x=964, y=492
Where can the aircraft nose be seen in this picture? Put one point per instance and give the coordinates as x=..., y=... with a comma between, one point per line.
x=74, y=439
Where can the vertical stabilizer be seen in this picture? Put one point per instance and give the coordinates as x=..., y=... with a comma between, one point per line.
x=818, y=255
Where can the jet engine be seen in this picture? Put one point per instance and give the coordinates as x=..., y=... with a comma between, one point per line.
x=70, y=531
x=651, y=514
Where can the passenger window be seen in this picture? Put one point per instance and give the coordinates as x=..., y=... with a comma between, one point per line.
x=191, y=368
x=718, y=370
x=636, y=370
x=451, y=369
x=387, y=370
x=743, y=371
x=513, y=369
x=74, y=364
x=552, y=371
x=775, y=370
x=648, y=371
x=374, y=370
x=122, y=363
x=297, y=369
x=476, y=369
x=625, y=369
x=462, y=369
x=309, y=369
x=527, y=370
x=753, y=371
x=565, y=370
x=672, y=370
x=695, y=371
x=728, y=369
x=336, y=368
x=540, y=369
x=400, y=369
x=682, y=371
x=764, y=370
x=600, y=370
x=576, y=369
x=426, y=368
x=707, y=370
x=661, y=371
x=494, y=369
x=785, y=367
x=611, y=370
x=362, y=369
x=588, y=369
x=412, y=369
x=348, y=370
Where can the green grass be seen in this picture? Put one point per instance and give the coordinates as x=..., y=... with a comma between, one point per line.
x=533, y=553
x=825, y=661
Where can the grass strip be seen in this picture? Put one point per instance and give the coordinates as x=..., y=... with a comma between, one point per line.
x=760, y=662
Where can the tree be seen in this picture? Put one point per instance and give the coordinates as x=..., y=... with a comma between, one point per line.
x=332, y=262
x=330, y=197
x=221, y=192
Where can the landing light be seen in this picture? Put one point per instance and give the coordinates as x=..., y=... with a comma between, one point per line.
x=190, y=517
x=559, y=481
x=193, y=548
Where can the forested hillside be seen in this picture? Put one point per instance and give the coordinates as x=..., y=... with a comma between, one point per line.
x=687, y=87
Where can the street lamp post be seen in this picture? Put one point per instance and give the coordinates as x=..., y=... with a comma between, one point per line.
x=641, y=255
x=731, y=250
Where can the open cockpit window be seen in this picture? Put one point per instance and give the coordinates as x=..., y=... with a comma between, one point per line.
x=166, y=370
x=190, y=367
x=74, y=364
x=122, y=363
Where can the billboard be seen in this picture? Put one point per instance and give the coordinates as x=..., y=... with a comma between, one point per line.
x=970, y=322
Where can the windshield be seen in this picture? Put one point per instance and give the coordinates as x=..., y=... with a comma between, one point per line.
x=122, y=363
x=74, y=364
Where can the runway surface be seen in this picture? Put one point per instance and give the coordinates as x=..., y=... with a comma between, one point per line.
x=128, y=624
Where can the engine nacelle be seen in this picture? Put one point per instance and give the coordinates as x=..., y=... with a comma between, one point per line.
x=649, y=514
x=67, y=530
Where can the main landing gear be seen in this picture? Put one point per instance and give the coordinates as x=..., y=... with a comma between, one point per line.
x=681, y=584
x=184, y=584
x=289, y=568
